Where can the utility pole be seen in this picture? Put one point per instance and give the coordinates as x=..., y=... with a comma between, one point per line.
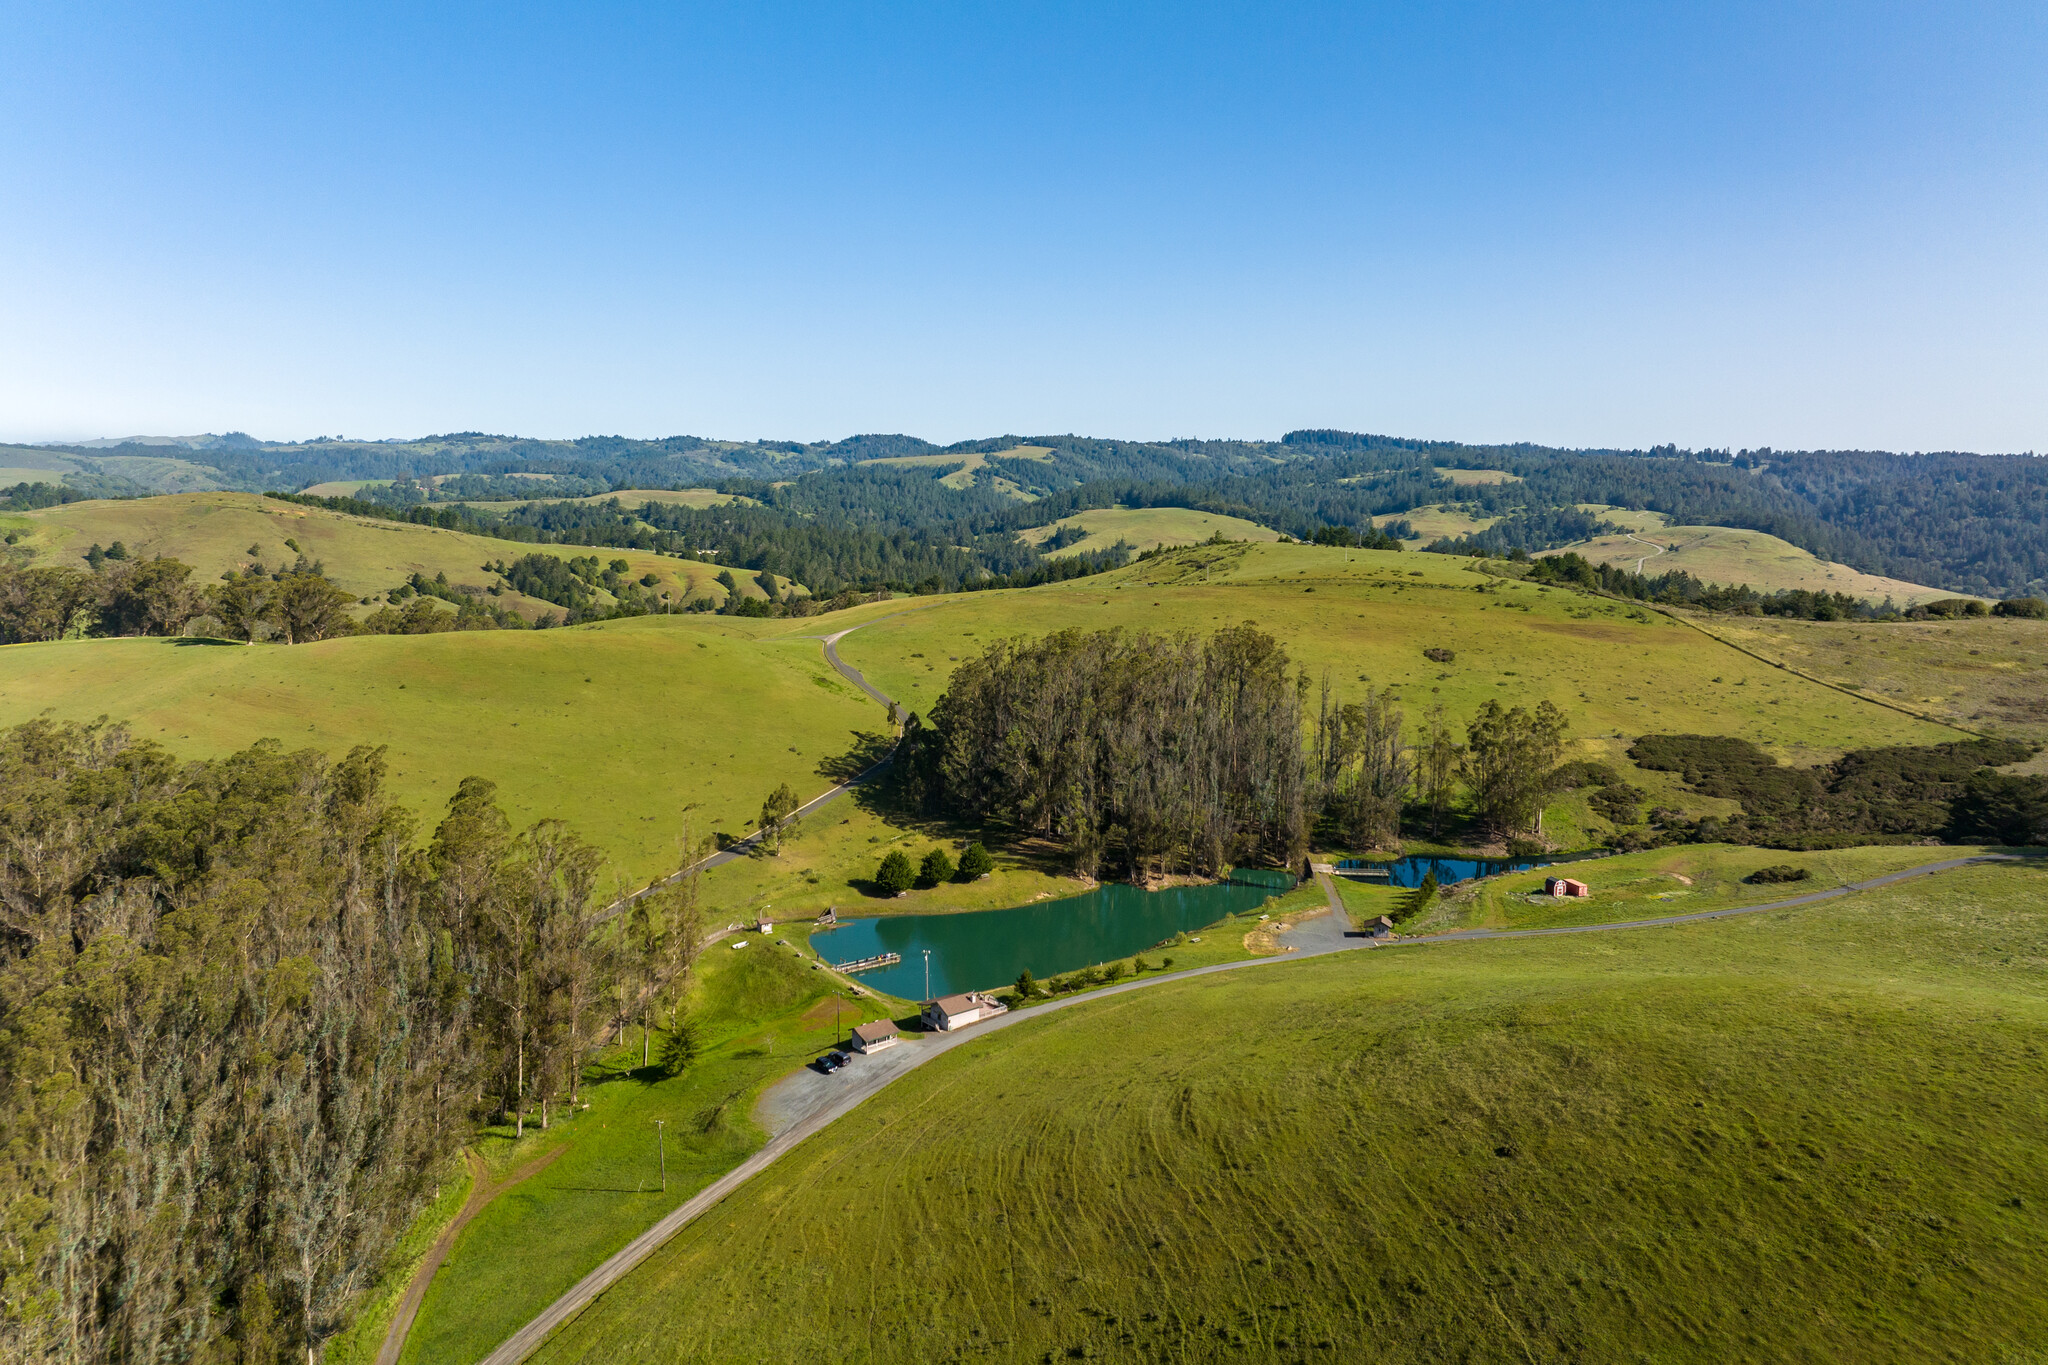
x=927, y=973
x=661, y=1143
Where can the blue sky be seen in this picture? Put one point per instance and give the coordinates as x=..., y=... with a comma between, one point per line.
x=1714, y=224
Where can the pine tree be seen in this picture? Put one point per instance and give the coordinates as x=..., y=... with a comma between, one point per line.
x=975, y=863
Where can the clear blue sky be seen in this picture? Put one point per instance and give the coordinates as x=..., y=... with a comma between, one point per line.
x=1713, y=223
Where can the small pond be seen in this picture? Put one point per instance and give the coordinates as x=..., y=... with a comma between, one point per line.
x=1411, y=871
x=986, y=949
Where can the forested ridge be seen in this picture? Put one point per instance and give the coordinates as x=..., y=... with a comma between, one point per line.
x=1971, y=523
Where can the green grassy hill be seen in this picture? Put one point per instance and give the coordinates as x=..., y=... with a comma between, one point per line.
x=1617, y=671
x=1722, y=554
x=614, y=727
x=1812, y=1135
x=1147, y=528
x=213, y=532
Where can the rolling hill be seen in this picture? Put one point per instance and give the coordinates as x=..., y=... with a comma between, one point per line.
x=1146, y=528
x=1807, y=1135
x=1721, y=554
x=616, y=727
x=215, y=532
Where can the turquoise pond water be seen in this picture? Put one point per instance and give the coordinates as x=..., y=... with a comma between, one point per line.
x=1411, y=871
x=986, y=949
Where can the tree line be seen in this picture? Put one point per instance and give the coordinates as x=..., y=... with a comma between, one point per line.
x=246, y=1016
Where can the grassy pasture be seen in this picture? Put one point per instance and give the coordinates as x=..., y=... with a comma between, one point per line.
x=1989, y=674
x=1616, y=671
x=1466, y=478
x=971, y=464
x=614, y=727
x=759, y=1011
x=213, y=532
x=342, y=488
x=1435, y=523
x=1147, y=528
x=1721, y=554
x=1663, y=881
x=634, y=497
x=1817, y=1135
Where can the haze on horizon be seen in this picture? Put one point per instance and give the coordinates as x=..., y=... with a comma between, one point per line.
x=1756, y=225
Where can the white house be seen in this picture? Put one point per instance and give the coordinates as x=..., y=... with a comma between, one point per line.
x=958, y=1011
x=876, y=1036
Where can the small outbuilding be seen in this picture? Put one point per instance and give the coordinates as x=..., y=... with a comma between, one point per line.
x=876, y=1036
x=1565, y=886
x=1380, y=927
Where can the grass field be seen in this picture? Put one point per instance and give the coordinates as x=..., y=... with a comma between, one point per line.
x=1466, y=478
x=1989, y=674
x=1666, y=881
x=971, y=464
x=213, y=532
x=759, y=1011
x=614, y=727
x=1368, y=615
x=1720, y=554
x=636, y=497
x=1816, y=1135
x=1437, y=523
x=1147, y=528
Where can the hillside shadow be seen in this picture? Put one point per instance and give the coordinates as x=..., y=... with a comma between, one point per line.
x=185, y=641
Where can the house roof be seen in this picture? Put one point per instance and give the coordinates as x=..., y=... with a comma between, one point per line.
x=956, y=1004
x=876, y=1031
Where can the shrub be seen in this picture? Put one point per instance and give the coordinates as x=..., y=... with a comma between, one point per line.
x=1114, y=971
x=2032, y=608
x=1026, y=987
x=1439, y=656
x=975, y=863
x=1619, y=802
x=895, y=875
x=1584, y=773
x=1777, y=873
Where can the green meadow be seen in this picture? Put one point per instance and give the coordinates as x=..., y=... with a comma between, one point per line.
x=1811, y=1135
x=214, y=532
x=1724, y=554
x=1147, y=528
x=615, y=727
x=1681, y=880
x=1367, y=616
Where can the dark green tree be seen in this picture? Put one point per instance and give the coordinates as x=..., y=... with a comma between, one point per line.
x=895, y=875
x=975, y=863
x=937, y=867
x=679, y=1049
x=778, y=820
x=1026, y=987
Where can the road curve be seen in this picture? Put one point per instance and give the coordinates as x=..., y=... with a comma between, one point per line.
x=528, y=1339
x=1660, y=549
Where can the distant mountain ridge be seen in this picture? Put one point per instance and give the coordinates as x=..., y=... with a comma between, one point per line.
x=1965, y=522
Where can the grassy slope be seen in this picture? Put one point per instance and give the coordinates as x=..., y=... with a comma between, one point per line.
x=1721, y=554
x=1666, y=881
x=1145, y=528
x=213, y=532
x=546, y=1233
x=1987, y=674
x=971, y=464
x=614, y=727
x=1466, y=477
x=1817, y=1135
x=1433, y=523
x=1616, y=672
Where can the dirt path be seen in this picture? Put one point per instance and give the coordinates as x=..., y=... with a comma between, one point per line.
x=481, y=1193
x=1654, y=546
x=813, y=1101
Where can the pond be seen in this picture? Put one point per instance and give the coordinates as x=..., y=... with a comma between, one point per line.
x=1411, y=871
x=986, y=949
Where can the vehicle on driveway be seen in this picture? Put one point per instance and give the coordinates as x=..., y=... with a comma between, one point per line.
x=829, y=1063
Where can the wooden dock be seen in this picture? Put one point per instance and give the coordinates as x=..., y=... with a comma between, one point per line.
x=862, y=964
